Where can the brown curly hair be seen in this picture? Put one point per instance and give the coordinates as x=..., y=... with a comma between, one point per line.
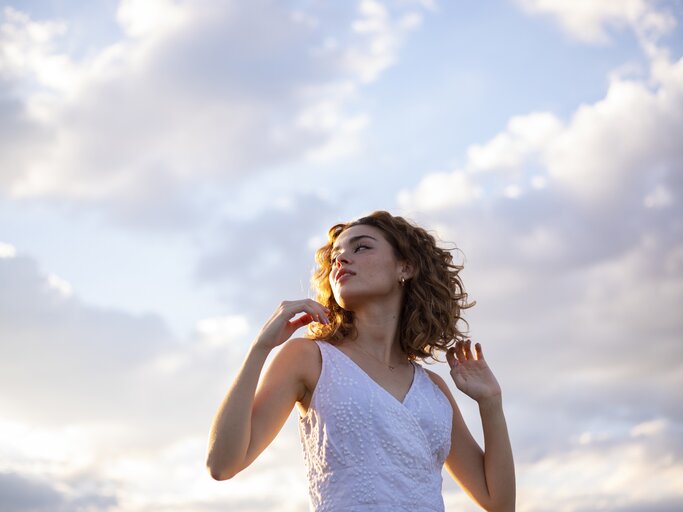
x=432, y=300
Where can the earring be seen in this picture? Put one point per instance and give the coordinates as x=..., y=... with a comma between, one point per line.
x=403, y=281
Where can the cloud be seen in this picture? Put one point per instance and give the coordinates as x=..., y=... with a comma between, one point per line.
x=114, y=408
x=187, y=100
x=622, y=471
x=102, y=367
x=524, y=136
x=7, y=250
x=78, y=348
x=591, y=22
x=615, y=165
x=20, y=493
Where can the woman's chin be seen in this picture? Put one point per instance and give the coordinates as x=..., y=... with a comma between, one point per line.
x=347, y=301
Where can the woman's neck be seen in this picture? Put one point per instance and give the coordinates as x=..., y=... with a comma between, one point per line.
x=376, y=329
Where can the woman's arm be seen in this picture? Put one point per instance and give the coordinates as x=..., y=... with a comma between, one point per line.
x=248, y=418
x=488, y=475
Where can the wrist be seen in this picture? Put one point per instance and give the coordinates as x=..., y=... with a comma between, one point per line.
x=490, y=402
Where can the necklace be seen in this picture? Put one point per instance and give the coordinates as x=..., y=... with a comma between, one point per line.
x=370, y=355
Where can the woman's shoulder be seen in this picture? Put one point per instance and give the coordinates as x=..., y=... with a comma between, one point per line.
x=304, y=357
x=304, y=353
x=301, y=347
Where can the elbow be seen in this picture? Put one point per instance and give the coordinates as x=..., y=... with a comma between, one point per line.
x=220, y=477
x=219, y=472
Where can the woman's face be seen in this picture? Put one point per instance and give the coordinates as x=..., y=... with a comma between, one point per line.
x=364, y=267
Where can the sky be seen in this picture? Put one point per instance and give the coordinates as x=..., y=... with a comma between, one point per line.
x=168, y=168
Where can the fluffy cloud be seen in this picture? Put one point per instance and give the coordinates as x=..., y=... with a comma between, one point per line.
x=614, y=165
x=590, y=21
x=107, y=400
x=188, y=100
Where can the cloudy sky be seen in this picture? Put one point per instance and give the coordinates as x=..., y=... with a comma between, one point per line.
x=167, y=168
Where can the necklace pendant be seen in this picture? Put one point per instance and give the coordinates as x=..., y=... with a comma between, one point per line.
x=391, y=367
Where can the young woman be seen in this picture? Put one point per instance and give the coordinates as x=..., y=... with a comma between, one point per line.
x=376, y=427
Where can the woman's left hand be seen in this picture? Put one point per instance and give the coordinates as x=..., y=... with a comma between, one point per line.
x=472, y=375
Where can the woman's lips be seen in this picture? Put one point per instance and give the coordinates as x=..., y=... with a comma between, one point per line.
x=342, y=276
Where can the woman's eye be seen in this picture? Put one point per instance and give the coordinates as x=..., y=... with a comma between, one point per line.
x=334, y=258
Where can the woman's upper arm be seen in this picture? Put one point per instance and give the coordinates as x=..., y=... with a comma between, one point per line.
x=465, y=461
x=295, y=366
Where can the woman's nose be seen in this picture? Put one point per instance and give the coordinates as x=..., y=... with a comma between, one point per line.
x=341, y=258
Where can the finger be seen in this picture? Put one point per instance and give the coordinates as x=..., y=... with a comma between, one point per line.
x=325, y=308
x=460, y=351
x=321, y=318
x=480, y=352
x=317, y=311
x=320, y=312
x=468, y=350
x=450, y=357
x=318, y=306
x=304, y=319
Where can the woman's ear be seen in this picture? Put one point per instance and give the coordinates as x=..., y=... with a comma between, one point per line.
x=407, y=270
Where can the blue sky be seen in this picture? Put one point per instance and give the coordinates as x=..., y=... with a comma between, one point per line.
x=167, y=169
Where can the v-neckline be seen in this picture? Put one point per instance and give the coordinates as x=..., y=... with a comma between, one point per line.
x=405, y=397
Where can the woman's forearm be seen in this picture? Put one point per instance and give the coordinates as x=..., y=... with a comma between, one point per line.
x=499, y=466
x=231, y=428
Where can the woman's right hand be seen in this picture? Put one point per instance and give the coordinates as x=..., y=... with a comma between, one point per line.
x=282, y=324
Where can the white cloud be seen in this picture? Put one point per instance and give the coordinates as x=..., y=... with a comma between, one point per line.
x=590, y=21
x=62, y=286
x=608, y=150
x=650, y=428
x=7, y=250
x=223, y=330
x=626, y=135
x=27, y=48
x=441, y=190
x=611, y=473
x=660, y=197
x=191, y=97
x=382, y=38
x=145, y=17
x=524, y=136
x=115, y=409
x=100, y=366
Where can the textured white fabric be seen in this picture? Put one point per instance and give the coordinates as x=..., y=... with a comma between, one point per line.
x=367, y=451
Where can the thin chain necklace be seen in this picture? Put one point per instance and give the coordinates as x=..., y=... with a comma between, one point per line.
x=370, y=355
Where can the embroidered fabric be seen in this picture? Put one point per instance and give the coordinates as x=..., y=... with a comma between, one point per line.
x=365, y=450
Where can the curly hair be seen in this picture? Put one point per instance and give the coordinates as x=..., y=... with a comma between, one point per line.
x=432, y=300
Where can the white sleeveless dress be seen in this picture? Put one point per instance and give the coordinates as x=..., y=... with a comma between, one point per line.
x=365, y=450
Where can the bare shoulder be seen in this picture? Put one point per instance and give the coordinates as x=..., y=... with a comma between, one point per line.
x=302, y=355
x=301, y=348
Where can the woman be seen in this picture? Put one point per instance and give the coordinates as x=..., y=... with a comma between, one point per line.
x=376, y=427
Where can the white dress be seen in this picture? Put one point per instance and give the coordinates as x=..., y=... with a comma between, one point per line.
x=365, y=450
